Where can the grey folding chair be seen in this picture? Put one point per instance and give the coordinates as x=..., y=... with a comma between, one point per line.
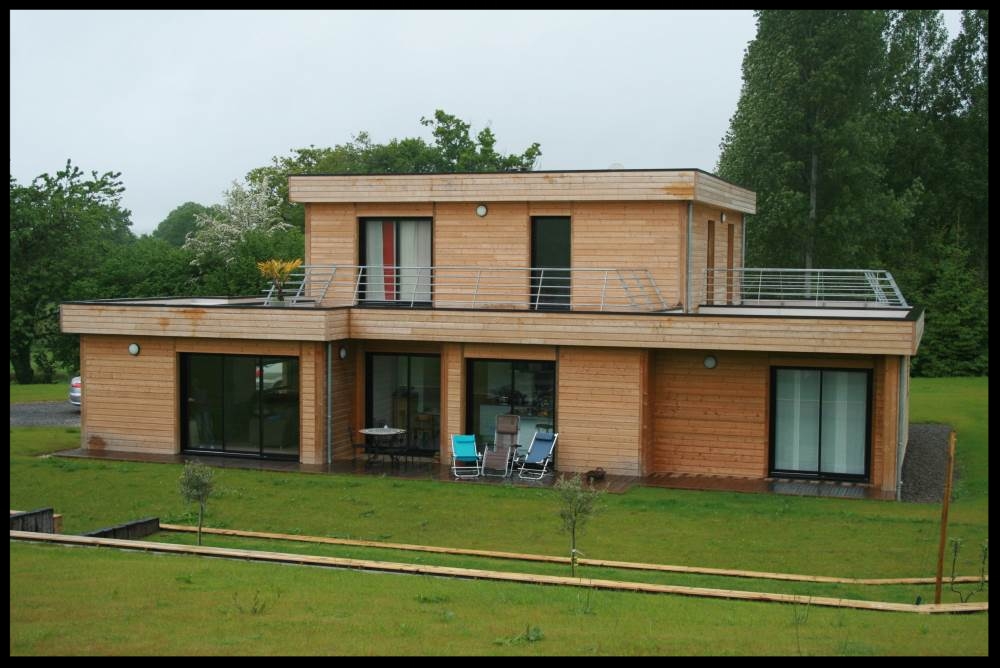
x=498, y=461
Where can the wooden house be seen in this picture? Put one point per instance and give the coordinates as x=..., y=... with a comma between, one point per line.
x=612, y=307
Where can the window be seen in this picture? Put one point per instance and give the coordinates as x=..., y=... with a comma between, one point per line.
x=550, y=262
x=499, y=387
x=397, y=254
x=820, y=422
x=240, y=404
x=404, y=391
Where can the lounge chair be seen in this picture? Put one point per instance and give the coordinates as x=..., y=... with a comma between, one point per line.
x=536, y=462
x=466, y=460
x=500, y=458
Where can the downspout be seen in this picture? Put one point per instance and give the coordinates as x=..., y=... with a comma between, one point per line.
x=329, y=403
x=687, y=259
x=901, y=419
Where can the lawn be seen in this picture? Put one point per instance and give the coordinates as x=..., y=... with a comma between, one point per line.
x=20, y=394
x=824, y=536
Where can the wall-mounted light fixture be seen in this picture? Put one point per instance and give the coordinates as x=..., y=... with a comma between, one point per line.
x=342, y=352
x=133, y=349
x=481, y=210
x=723, y=216
x=710, y=361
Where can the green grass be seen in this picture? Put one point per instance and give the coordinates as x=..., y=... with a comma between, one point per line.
x=20, y=394
x=823, y=536
x=100, y=602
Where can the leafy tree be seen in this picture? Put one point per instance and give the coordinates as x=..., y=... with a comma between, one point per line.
x=218, y=233
x=865, y=135
x=59, y=225
x=175, y=227
x=241, y=276
x=956, y=333
x=578, y=503
x=197, y=485
x=964, y=103
x=453, y=150
x=807, y=135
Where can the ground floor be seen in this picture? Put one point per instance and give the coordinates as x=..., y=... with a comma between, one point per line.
x=637, y=412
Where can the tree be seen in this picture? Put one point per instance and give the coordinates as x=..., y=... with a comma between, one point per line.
x=197, y=485
x=59, y=226
x=577, y=505
x=453, y=150
x=956, y=336
x=184, y=219
x=807, y=135
x=218, y=233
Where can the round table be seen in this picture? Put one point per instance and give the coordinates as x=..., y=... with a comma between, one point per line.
x=383, y=441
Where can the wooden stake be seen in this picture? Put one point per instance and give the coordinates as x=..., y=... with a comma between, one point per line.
x=944, y=517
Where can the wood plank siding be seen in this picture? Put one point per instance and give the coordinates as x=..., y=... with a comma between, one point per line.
x=704, y=219
x=635, y=185
x=819, y=335
x=630, y=235
x=221, y=322
x=132, y=402
x=599, y=409
x=717, y=421
x=710, y=421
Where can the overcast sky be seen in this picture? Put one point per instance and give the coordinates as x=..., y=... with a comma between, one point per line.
x=182, y=103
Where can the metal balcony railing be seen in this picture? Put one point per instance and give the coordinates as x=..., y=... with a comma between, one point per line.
x=801, y=287
x=521, y=288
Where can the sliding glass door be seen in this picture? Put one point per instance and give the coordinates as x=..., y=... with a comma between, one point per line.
x=820, y=422
x=519, y=387
x=240, y=404
x=397, y=254
x=404, y=391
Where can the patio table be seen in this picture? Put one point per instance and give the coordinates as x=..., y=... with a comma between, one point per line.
x=384, y=441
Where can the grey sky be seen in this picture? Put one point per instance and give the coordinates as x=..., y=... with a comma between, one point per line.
x=183, y=103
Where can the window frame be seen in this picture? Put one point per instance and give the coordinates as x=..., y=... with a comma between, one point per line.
x=396, y=302
x=819, y=474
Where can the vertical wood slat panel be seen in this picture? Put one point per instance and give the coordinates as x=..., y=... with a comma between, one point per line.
x=599, y=410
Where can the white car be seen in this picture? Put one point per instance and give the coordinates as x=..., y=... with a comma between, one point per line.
x=76, y=391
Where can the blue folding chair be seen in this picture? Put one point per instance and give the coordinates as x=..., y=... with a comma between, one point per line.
x=535, y=463
x=466, y=460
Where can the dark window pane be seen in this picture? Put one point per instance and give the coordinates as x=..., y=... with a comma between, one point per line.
x=550, y=261
x=204, y=402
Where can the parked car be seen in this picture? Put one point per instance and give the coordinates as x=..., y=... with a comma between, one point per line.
x=76, y=391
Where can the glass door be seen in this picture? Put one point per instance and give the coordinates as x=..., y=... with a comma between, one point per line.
x=550, y=262
x=820, y=422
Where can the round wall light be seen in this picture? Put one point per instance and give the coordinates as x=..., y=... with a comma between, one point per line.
x=342, y=353
x=710, y=361
x=133, y=349
x=481, y=210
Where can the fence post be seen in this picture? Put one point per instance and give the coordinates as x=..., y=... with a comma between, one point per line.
x=944, y=516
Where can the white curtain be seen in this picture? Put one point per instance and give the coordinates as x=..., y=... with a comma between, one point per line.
x=796, y=420
x=415, y=258
x=845, y=417
x=375, y=283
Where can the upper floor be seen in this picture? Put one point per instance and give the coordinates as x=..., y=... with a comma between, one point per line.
x=626, y=240
x=634, y=258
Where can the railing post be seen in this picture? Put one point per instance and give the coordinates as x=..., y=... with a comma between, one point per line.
x=357, y=283
x=538, y=291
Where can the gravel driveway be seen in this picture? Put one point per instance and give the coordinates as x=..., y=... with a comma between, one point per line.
x=45, y=414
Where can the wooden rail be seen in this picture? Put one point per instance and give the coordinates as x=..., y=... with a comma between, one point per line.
x=470, y=573
x=545, y=558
